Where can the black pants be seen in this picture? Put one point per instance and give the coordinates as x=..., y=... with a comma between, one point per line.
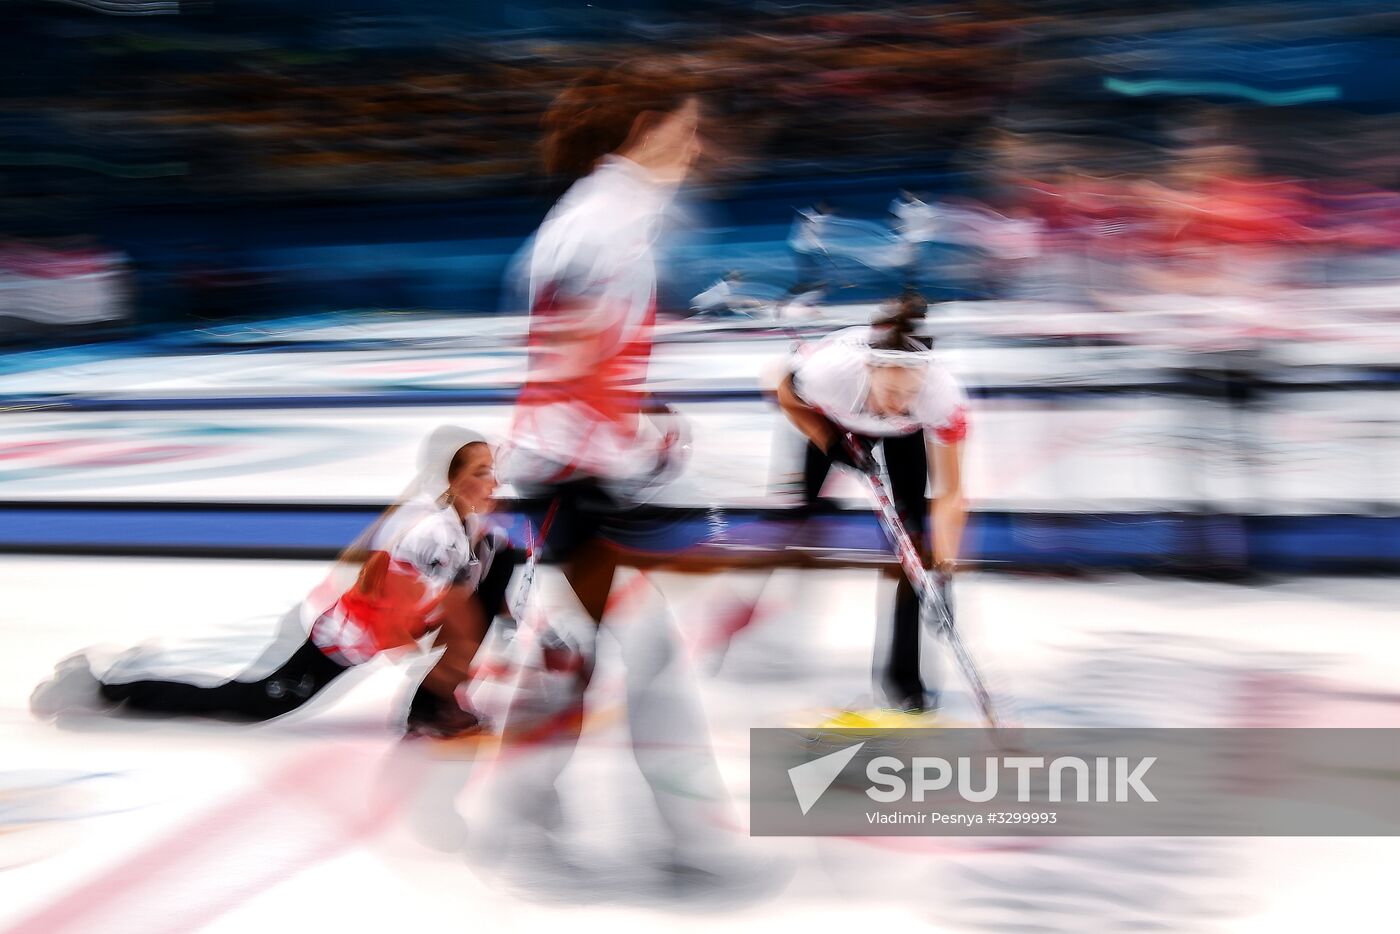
x=907, y=462
x=297, y=680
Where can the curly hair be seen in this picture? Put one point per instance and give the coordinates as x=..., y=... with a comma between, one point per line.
x=603, y=109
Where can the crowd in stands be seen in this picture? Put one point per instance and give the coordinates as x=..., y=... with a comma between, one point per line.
x=795, y=91
x=1004, y=100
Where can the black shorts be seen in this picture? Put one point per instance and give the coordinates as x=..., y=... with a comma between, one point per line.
x=586, y=512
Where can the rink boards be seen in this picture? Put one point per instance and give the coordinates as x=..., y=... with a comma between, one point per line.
x=1094, y=440
x=1140, y=481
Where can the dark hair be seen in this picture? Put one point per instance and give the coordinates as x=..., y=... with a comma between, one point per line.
x=894, y=330
x=459, y=459
x=599, y=112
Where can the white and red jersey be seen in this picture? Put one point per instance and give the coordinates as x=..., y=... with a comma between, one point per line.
x=592, y=294
x=419, y=552
x=833, y=376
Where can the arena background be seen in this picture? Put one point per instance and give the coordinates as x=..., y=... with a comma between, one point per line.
x=251, y=253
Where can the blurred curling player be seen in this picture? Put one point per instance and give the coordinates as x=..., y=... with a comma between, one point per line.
x=432, y=562
x=583, y=441
x=882, y=386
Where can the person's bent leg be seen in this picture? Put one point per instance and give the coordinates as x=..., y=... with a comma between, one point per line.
x=466, y=619
x=542, y=729
x=295, y=682
x=523, y=796
x=670, y=735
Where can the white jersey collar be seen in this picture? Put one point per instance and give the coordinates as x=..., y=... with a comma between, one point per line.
x=624, y=168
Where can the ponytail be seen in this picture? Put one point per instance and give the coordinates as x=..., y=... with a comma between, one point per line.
x=894, y=331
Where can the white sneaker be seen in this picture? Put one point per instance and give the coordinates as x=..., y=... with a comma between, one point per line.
x=72, y=688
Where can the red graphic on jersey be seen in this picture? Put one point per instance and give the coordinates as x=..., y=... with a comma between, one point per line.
x=955, y=429
x=388, y=606
x=606, y=388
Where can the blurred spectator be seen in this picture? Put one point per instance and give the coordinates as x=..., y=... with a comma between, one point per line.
x=62, y=285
